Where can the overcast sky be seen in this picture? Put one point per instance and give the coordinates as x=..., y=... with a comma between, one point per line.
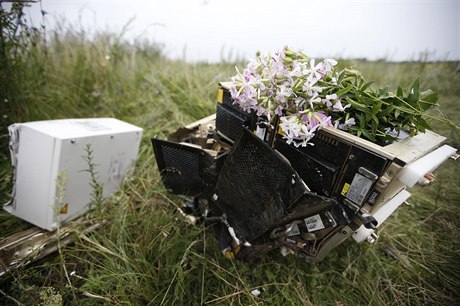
x=208, y=29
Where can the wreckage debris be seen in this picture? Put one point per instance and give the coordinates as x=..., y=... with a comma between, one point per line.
x=259, y=193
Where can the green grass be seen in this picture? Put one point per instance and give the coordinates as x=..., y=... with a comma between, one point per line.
x=146, y=254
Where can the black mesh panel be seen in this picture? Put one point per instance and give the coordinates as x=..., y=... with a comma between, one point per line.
x=256, y=186
x=229, y=122
x=319, y=175
x=180, y=166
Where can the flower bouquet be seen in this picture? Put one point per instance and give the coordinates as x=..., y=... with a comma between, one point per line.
x=307, y=95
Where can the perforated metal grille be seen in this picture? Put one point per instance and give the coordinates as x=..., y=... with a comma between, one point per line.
x=229, y=123
x=319, y=175
x=179, y=166
x=255, y=186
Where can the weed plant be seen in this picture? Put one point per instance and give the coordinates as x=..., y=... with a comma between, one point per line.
x=147, y=254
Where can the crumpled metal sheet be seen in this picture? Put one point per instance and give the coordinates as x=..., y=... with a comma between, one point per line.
x=256, y=186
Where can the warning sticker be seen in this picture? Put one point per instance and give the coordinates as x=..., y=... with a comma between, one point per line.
x=64, y=209
x=220, y=95
x=314, y=223
x=345, y=189
x=359, y=188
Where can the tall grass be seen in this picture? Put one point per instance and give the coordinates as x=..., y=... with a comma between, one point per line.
x=147, y=254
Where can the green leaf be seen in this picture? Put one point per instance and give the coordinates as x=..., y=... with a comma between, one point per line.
x=397, y=113
x=387, y=110
x=375, y=119
x=429, y=96
x=366, y=86
x=343, y=91
x=424, y=105
x=400, y=92
x=384, y=93
x=428, y=100
x=361, y=121
x=375, y=125
x=422, y=124
x=414, y=93
x=341, y=76
x=376, y=107
x=356, y=105
x=368, y=135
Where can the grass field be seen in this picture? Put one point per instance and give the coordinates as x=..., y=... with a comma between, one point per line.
x=146, y=254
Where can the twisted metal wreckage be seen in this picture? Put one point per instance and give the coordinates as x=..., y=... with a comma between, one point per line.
x=260, y=193
x=244, y=180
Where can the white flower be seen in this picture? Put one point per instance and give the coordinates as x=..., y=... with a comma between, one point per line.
x=344, y=126
x=296, y=70
x=251, y=67
x=283, y=93
x=330, y=100
x=310, y=88
x=328, y=64
x=316, y=70
x=350, y=121
x=338, y=107
x=299, y=102
x=300, y=131
x=288, y=83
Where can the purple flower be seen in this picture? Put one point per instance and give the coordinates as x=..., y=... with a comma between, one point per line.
x=288, y=84
x=316, y=120
x=322, y=120
x=260, y=111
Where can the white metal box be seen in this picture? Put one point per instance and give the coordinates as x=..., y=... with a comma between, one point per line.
x=51, y=181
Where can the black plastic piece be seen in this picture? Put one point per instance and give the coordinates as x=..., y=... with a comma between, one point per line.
x=311, y=204
x=230, y=123
x=230, y=117
x=228, y=101
x=185, y=169
x=368, y=221
x=318, y=173
x=330, y=163
x=256, y=187
x=180, y=166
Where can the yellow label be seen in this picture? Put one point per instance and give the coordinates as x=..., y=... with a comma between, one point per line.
x=345, y=189
x=220, y=95
x=64, y=209
x=280, y=130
